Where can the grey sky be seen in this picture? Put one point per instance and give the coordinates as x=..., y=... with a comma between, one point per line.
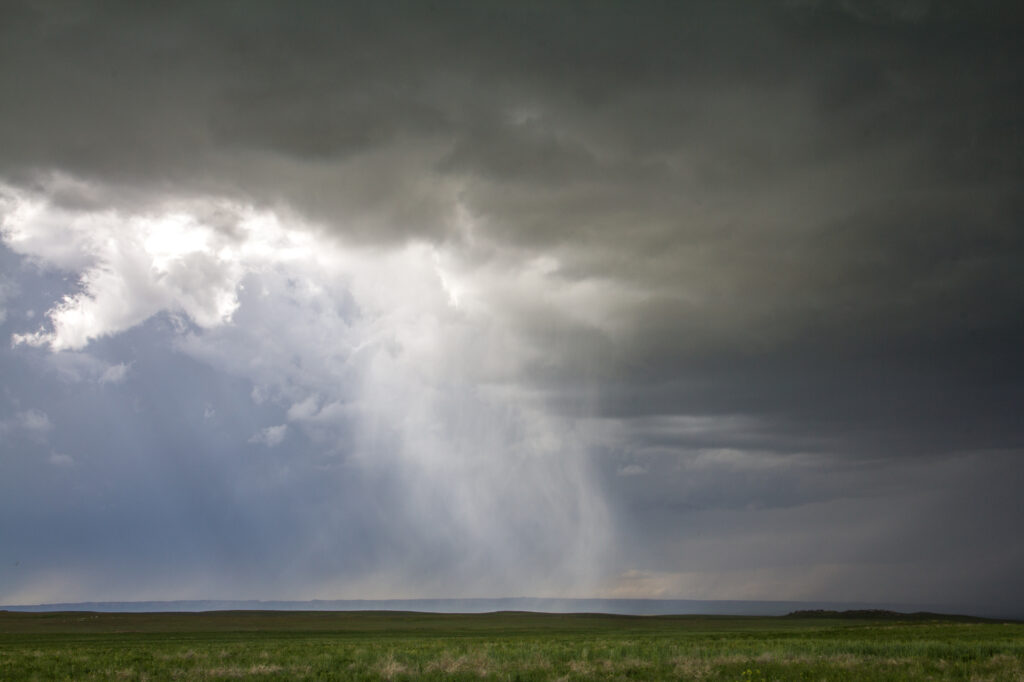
x=699, y=300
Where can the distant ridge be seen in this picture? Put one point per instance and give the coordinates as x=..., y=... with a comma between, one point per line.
x=884, y=614
x=639, y=607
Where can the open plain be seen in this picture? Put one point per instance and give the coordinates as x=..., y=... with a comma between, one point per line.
x=503, y=646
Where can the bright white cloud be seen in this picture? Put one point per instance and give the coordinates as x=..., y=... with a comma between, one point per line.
x=185, y=257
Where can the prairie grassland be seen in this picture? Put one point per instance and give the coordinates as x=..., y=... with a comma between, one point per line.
x=501, y=646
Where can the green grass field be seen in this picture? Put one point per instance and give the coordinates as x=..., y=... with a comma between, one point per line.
x=505, y=646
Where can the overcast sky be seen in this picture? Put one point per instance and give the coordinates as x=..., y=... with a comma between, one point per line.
x=402, y=299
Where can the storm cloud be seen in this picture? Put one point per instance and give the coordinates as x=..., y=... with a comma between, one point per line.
x=697, y=300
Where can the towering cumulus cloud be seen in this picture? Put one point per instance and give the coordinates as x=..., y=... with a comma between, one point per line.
x=692, y=299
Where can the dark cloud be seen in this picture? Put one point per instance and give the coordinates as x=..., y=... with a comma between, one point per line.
x=796, y=221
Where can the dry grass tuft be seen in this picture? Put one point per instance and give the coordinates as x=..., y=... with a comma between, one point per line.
x=691, y=668
x=581, y=667
x=447, y=663
x=390, y=667
x=224, y=671
x=265, y=669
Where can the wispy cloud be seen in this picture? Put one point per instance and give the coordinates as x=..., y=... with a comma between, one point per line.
x=35, y=422
x=271, y=436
